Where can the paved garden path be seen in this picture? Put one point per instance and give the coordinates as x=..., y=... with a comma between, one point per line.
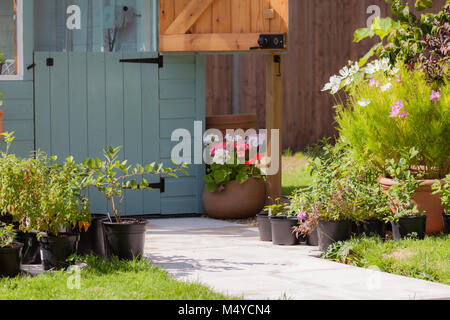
x=229, y=258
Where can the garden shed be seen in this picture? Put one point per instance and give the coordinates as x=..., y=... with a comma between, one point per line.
x=86, y=74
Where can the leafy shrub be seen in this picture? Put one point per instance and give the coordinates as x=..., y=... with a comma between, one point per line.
x=444, y=191
x=7, y=235
x=387, y=115
x=411, y=39
x=401, y=194
x=41, y=194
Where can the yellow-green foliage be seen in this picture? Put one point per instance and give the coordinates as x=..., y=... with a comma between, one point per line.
x=375, y=134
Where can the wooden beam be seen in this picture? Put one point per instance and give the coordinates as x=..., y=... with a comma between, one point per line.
x=208, y=42
x=190, y=14
x=274, y=108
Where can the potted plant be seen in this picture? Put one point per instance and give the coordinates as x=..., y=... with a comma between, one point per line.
x=401, y=101
x=302, y=202
x=371, y=208
x=56, y=201
x=444, y=191
x=91, y=236
x=282, y=224
x=235, y=187
x=12, y=184
x=10, y=252
x=45, y=197
x=264, y=226
x=124, y=238
x=330, y=204
x=406, y=218
x=2, y=62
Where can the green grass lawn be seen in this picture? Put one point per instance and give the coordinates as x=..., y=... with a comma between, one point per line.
x=427, y=259
x=106, y=280
x=295, y=175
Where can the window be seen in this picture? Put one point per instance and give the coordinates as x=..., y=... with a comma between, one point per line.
x=11, y=40
x=93, y=26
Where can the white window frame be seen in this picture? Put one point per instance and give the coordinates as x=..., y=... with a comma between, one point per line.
x=19, y=34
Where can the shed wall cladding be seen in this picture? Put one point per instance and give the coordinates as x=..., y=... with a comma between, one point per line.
x=18, y=95
x=88, y=99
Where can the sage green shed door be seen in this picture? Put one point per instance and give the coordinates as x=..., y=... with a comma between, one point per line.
x=87, y=101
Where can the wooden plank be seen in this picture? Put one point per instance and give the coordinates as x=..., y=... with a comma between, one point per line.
x=241, y=16
x=166, y=14
x=59, y=96
x=186, y=19
x=115, y=109
x=42, y=102
x=78, y=113
x=204, y=22
x=96, y=92
x=259, y=23
x=208, y=42
x=274, y=105
x=150, y=131
x=221, y=16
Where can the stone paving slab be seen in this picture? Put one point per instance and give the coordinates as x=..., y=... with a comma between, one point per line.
x=229, y=258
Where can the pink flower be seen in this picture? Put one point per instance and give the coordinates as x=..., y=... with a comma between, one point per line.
x=241, y=146
x=302, y=216
x=374, y=83
x=403, y=115
x=241, y=154
x=435, y=96
x=399, y=78
x=218, y=146
x=396, y=111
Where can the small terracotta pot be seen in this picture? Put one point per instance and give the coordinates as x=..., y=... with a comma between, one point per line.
x=237, y=201
x=233, y=121
x=425, y=200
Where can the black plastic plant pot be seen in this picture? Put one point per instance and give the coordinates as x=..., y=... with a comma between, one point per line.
x=446, y=218
x=313, y=238
x=372, y=227
x=92, y=240
x=56, y=250
x=126, y=240
x=282, y=233
x=10, y=260
x=31, y=252
x=265, y=227
x=409, y=225
x=332, y=231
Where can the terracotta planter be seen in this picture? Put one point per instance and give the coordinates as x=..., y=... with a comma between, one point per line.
x=425, y=200
x=234, y=121
x=237, y=201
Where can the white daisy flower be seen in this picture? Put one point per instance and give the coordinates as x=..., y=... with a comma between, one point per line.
x=221, y=156
x=364, y=102
x=210, y=139
x=386, y=87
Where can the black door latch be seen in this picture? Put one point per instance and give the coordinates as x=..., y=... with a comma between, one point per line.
x=161, y=186
x=270, y=41
x=159, y=60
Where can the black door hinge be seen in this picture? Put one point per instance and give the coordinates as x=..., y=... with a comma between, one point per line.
x=161, y=186
x=159, y=60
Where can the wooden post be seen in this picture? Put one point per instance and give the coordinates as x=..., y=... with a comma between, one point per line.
x=274, y=105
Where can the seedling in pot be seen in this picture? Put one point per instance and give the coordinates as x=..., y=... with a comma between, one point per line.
x=111, y=176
